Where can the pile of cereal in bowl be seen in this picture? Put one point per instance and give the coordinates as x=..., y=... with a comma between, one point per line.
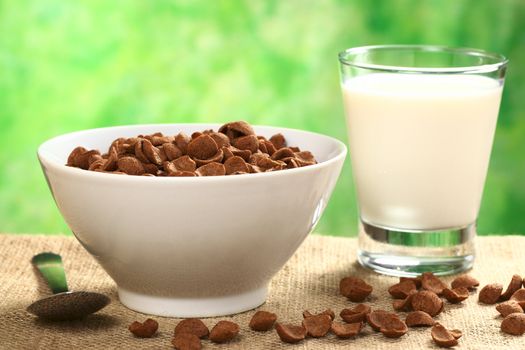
x=234, y=149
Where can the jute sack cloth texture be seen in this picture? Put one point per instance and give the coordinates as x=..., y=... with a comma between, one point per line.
x=308, y=281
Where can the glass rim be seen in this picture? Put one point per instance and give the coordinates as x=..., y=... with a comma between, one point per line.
x=500, y=59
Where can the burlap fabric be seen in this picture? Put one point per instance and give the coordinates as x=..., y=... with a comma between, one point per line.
x=309, y=281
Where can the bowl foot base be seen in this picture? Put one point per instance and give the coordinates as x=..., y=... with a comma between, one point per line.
x=192, y=307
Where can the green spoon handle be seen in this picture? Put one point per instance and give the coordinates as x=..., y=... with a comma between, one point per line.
x=51, y=268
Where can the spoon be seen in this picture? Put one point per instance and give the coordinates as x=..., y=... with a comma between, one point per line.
x=63, y=304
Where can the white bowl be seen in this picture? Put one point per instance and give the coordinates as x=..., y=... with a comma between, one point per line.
x=191, y=246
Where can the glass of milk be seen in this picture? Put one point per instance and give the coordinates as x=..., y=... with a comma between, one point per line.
x=421, y=121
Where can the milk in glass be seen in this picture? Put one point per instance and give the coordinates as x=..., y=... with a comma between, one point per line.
x=420, y=146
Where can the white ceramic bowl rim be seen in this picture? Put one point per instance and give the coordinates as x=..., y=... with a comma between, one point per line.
x=46, y=155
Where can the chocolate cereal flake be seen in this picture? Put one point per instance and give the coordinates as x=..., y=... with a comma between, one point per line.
x=146, y=329
x=442, y=336
x=203, y=147
x=432, y=283
x=354, y=288
x=465, y=281
x=519, y=297
x=376, y=317
x=455, y=295
x=388, y=323
x=224, y=331
x=402, y=289
x=220, y=139
x=246, y=143
x=356, y=314
x=278, y=141
x=428, y=302
x=514, y=285
x=193, y=326
x=346, y=330
x=211, y=169
x=186, y=341
x=328, y=312
x=404, y=304
x=262, y=321
x=416, y=280
x=236, y=129
x=419, y=319
x=393, y=327
x=490, y=294
x=514, y=324
x=290, y=333
x=509, y=307
x=317, y=325
x=182, y=141
x=171, y=151
x=236, y=164
x=130, y=166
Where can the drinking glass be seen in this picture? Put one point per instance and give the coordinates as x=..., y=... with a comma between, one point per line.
x=421, y=122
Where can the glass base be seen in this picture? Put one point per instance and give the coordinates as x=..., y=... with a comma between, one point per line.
x=398, y=252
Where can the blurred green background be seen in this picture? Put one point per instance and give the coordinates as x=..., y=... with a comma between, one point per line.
x=69, y=65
